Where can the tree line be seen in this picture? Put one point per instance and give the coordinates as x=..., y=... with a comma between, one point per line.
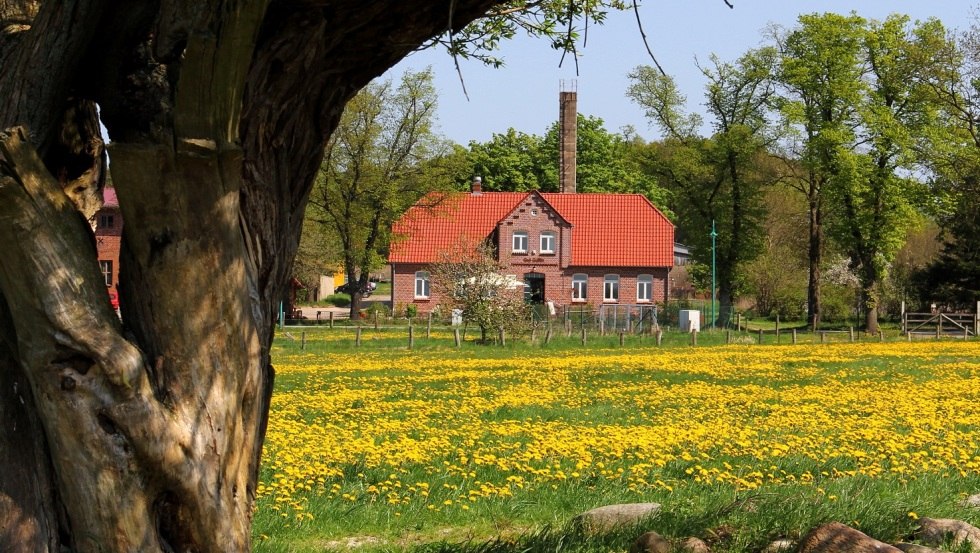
x=843, y=154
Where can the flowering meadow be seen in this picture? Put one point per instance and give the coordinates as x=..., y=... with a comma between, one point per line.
x=401, y=447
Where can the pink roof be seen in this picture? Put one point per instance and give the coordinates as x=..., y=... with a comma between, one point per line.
x=608, y=230
x=109, y=198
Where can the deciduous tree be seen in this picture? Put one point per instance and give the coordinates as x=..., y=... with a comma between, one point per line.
x=717, y=179
x=376, y=166
x=144, y=435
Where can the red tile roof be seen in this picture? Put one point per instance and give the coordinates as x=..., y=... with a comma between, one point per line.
x=109, y=198
x=608, y=230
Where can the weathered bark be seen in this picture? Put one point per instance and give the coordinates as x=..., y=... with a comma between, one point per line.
x=148, y=438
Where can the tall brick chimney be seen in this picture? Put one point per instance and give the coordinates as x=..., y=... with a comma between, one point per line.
x=567, y=135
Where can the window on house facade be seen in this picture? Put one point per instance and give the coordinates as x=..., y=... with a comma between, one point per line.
x=106, y=221
x=547, y=242
x=580, y=287
x=421, y=285
x=106, y=266
x=644, y=287
x=610, y=288
x=520, y=242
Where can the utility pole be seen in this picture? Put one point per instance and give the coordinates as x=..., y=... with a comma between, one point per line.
x=713, y=236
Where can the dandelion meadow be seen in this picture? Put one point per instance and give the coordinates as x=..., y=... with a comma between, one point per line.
x=390, y=449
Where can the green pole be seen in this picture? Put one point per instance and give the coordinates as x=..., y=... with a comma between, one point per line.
x=713, y=236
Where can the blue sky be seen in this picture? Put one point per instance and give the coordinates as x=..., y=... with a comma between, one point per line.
x=524, y=93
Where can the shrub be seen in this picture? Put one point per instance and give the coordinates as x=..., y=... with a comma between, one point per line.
x=339, y=300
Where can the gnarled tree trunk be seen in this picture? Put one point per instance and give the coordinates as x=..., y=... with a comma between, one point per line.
x=145, y=435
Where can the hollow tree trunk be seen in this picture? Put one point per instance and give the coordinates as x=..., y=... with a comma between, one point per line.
x=147, y=438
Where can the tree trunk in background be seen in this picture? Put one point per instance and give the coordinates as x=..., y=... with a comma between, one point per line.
x=147, y=438
x=815, y=255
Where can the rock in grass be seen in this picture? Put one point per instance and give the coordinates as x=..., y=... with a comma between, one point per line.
x=973, y=501
x=935, y=531
x=835, y=537
x=693, y=545
x=605, y=519
x=779, y=546
x=916, y=548
x=650, y=542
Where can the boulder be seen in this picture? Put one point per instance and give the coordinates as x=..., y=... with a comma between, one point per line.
x=650, y=542
x=779, y=546
x=693, y=545
x=835, y=537
x=935, y=531
x=973, y=501
x=605, y=519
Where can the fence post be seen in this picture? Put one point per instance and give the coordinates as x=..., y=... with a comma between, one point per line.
x=760, y=336
x=331, y=319
x=777, y=328
x=357, y=336
x=602, y=325
x=622, y=338
x=881, y=335
x=568, y=328
x=976, y=321
x=503, y=339
x=375, y=320
x=547, y=334
x=660, y=337
x=904, y=318
x=728, y=336
x=909, y=336
x=456, y=336
x=411, y=335
x=850, y=329
x=428, y=326
x=302, y=342
x=823, y=336
x=794, y=336
x=694, y=337
x=939, y=327
x=583, y=335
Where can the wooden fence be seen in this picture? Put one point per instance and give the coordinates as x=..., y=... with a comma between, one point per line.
x=941, y=324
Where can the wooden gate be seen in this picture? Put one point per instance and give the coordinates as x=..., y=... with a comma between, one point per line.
x=941, y=324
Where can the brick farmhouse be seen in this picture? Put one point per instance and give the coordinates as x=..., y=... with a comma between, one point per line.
x=567, y=248
x=108, y=238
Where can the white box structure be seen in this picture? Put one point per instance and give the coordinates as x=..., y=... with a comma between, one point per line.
x=690, y=320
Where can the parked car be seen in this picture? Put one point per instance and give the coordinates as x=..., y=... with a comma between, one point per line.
x=349, y=288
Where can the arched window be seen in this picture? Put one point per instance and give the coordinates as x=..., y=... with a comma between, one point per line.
x=610, y=288
x=547, y=242
x=421, y=285
x=644, y=288
x=520, y=242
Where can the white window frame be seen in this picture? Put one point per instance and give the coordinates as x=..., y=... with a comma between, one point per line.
x=610, y=288
x=422, y=284
x=580, y=287
x=644, y=288
x=519, y=242
x=550, y=238
x=105, y=265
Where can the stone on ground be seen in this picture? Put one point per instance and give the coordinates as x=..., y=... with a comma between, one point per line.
x=650, y=542
x=934, y=531
x=835, y=537
x=610, y=517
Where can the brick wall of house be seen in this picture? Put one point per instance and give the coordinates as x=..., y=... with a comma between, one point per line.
x=108, y=240
x=535, y=216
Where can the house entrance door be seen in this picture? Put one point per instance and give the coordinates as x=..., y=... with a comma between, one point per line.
x=534, y=288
